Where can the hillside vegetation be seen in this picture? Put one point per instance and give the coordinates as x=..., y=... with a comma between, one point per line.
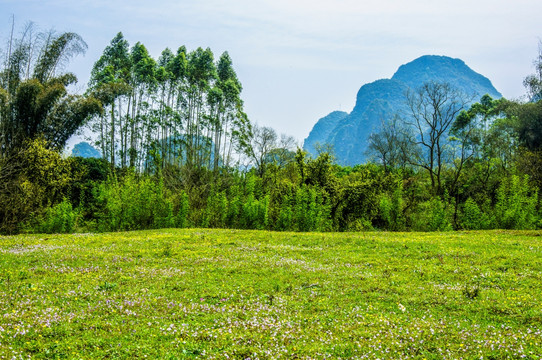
x=218, y=294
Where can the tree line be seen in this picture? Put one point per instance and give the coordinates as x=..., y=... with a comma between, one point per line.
x=178, y=151
x=184, y=108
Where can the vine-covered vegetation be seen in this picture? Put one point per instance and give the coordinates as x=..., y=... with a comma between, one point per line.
x=179, y=151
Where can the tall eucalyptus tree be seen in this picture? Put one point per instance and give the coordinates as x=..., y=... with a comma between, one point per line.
x=230, y=106
x=143, y=81
x=110, y=81
x=201, y=73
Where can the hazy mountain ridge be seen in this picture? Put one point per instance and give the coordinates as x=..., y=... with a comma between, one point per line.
x=84, y=149
x=322, y=129
x=382, y=99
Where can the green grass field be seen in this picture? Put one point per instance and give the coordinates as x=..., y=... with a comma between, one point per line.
x=218, y=294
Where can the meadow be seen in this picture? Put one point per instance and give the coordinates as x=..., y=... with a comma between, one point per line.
x=219, y=294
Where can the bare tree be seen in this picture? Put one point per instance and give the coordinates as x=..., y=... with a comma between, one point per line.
x=433, y=109
x=263, y=146
x=262, y=140
x=393, y=144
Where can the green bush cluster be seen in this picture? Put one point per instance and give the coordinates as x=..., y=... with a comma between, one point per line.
x=131, y=204
x=305, y=195
x=60, y=218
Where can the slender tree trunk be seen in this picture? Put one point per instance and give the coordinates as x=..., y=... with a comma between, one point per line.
x=132, y=131
x=113, y=134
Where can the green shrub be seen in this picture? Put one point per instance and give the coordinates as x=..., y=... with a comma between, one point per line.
x=471, y=216
x=30, y=181
x=131, y=204
x=285, y=219
x=432, y=215
x=181, y=219
x=360, y=225
x=216, y=211
x=516, y=204
x=391, y=209
x=254, y=213
x=60, y=218
x=310, y=213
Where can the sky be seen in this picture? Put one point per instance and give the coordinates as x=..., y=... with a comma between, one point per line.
x=299, y=60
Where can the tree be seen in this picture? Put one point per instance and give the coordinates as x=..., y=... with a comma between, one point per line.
x=533, y=82
x=109, y=81
x=485, y=132
x=261, y=141
x=392, y=145
x=228, y=105
x=142, y=80
x=34, y=97
x=284, y=153
x=480, y=143
x=182, y=110
x=528, y=124
x=33, y=178
x=201, y=73
x=433, y=109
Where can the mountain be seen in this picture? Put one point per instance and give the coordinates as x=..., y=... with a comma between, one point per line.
x=84, y=149
x=322, y=129
x=445, y=69
x=348, y=134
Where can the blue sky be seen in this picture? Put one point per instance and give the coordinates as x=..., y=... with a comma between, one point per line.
x=298, y=60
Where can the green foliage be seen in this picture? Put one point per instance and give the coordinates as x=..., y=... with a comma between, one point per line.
x=86, y=175
x=129, y=204
x=34, y=98
x=234, y=210
x=529, y=124
x=31, y=180
x=254, y=213
x=330, y=198
x=473, y=218
x=216, y=211
x=181, y=220
x=432, y=215
x=60, y=218
x=516, y=204
x=391, y=209
x=309, y=211
x=358, y=201
x=286, y=217
x=174, y=125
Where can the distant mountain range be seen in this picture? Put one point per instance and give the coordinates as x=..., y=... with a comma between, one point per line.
x=348, y=133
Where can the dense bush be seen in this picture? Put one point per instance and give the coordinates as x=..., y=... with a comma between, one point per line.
x=433, y=215
x=516, y=204
x=52, y=194
x=60, y=218
x=391, y=208
x=31, y=180
x=130, y=203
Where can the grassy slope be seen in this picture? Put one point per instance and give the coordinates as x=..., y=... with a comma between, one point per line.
x=211, y=293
